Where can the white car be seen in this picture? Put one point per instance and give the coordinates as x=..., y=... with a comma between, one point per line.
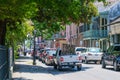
x=92, y=54
x=79, y=50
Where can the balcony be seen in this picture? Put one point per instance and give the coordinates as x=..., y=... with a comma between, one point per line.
x=95, y=34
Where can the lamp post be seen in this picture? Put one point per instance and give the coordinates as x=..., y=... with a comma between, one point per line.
x=34, y=50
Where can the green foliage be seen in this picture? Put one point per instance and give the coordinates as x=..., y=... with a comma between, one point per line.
x=17, y=9
x=65, y=11
x=47, y=31
x=49, y=16
x=16, y=53
x=52, y=15
x=17, y=35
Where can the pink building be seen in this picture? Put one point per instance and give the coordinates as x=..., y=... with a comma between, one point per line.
x=71, y=33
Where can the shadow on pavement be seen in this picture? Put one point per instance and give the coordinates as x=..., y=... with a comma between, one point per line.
x=110, y=68
x=66, y=70
x=85, y=68
x=26, y=68
x=21, y=79
x=29, y=68
x=24, y=57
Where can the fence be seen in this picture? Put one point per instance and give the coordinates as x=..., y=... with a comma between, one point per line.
x=4, y=66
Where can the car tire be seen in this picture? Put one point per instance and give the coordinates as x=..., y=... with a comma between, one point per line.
x=103, y=64
x=95, y=62
x=79, y=68
x=39, y=59
x=59, y=68
x=55, y=66
x=86, y=61
x=73, y=67
x=116, y=68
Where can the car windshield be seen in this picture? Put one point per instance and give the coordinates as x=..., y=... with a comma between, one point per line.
x=51, y=52
x=94, y=50
x=80, y=49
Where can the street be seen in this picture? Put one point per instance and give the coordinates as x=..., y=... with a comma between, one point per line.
x=88, y=72
x=25, y=71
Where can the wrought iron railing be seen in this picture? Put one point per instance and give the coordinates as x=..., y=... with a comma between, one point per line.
x=95, y=34
x=3, y=63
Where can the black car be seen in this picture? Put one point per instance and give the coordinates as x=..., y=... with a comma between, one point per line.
x=112, y=57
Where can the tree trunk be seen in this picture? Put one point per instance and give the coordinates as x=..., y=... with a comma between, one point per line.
x=2, y=32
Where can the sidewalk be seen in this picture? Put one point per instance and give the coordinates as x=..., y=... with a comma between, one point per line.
x=24, y=70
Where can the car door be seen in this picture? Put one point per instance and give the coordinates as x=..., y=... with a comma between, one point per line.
x=115, y=52
x=108, y=55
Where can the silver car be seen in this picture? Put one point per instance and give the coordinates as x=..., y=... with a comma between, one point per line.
x=49, y=57
x=92, y=54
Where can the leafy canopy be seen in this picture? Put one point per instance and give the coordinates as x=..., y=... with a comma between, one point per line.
x=52, y=12
x=48, y=16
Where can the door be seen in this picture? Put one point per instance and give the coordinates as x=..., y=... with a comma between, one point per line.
x=108, y=55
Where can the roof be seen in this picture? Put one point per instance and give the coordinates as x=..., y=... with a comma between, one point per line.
x=114, y=11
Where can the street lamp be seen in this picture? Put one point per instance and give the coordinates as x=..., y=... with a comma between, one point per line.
x=34, y=50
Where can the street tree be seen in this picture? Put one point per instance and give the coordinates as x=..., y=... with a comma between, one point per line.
x=13, y=13
x=51, y=14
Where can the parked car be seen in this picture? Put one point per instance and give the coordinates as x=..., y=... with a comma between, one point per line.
x=44, y=53
x=66, y=57
x=49, y=58
x=112, y=57
x=32, y=53
x=79, y=50
x=92, y=54
x=40, y=54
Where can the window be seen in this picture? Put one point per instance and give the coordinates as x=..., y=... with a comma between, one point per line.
x=117, y=48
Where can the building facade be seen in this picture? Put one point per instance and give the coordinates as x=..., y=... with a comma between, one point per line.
x=98, y=33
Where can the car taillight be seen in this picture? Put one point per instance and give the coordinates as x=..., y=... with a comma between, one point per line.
x=77, y=53
x=61, y=59
x=89, y=54
x=40, y=55
x=50, y=57
x=80, y=58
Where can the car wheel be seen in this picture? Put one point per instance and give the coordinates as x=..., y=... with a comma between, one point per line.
x=59, y=68
x=55, y=66
x=82, y=61
x=79, y=68
x=95, y=62
x=73, y=67
x=103, y=64
x=116, y=68
x=86, y=61
x=39, y=59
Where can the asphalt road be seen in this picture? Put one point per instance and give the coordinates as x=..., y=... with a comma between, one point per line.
x=26, y=71
x=88, y=72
